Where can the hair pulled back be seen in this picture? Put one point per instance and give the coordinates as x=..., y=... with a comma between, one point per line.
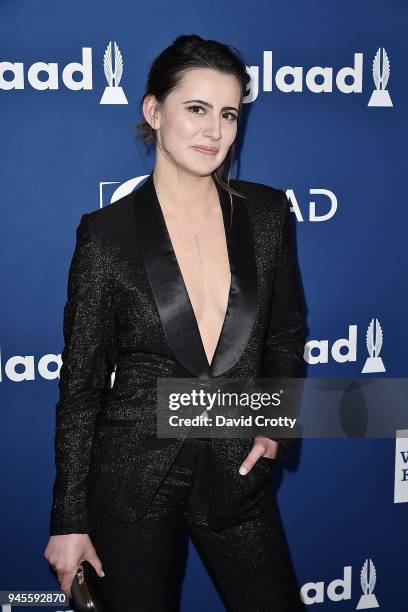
x=166, y=73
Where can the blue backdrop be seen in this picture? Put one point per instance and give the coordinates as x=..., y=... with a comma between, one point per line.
x=327, y=122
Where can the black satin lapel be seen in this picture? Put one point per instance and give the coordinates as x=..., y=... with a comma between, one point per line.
x=167, y=283
x=170, y=293
x=242, y=302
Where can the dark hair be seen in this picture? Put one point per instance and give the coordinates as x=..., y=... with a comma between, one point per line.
x=167, y=70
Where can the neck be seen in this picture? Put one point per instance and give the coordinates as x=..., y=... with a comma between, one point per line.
x=179, y=190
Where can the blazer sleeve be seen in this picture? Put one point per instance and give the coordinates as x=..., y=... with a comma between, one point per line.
x=285, y=339
x=84, y=375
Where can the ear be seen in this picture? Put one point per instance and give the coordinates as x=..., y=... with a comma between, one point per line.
x=151, y=111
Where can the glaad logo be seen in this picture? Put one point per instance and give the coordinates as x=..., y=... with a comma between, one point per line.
x=313, y=216
x=51, y=69
x=289, y=79
x=373, y=363
x=368, y=577
x=113, y=68
x=112, y=65
x=340, y=588
x=380, y=95
x=321, y=79
x=28, y=366
x=47, y=367
x=120, y=192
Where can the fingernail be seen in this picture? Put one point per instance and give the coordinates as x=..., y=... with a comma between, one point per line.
x=243, y=470
x=102, y=574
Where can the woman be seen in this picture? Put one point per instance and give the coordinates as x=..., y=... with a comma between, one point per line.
x=187, y=276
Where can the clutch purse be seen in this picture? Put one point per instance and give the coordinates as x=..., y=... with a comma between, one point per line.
x=86, y=591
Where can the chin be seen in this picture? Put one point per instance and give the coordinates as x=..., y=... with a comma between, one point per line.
x=202, y=169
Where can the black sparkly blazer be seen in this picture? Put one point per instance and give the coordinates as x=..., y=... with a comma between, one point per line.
x=128, y=313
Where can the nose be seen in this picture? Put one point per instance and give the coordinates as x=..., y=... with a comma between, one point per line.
x=213, y=127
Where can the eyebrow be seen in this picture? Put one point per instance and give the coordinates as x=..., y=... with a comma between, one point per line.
x=211, y=106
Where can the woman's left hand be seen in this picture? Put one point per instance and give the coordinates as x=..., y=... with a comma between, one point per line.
x=262, y=447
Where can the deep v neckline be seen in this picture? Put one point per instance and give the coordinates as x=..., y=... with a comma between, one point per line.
x=221, y=204
x=170, y=292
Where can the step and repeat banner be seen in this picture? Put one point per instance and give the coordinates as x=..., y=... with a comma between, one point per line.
x=327, y=123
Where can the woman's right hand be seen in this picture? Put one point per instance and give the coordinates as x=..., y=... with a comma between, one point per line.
x=66, y=552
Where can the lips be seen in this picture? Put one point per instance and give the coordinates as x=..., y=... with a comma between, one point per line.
x=206, y=150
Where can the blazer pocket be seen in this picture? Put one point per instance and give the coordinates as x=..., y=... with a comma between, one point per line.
x=267, y=459
x=266, y=462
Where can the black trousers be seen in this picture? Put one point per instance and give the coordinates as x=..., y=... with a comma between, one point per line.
x=145, y=561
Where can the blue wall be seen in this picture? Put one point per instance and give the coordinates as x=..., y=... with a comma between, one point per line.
x=64, y=154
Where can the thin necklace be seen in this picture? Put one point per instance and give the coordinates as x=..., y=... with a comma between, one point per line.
x=195, y=236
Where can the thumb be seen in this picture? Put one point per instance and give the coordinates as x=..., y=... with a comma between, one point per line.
x=96, y=564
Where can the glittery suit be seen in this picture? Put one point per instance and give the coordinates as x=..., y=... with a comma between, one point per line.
x=145, y=561
x=128, y=312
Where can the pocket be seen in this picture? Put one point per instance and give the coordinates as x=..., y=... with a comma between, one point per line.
x=266, y=460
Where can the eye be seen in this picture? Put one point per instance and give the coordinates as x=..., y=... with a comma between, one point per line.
x=191, y=108
x=233, y=116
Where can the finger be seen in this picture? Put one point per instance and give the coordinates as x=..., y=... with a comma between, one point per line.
x=67, y=583
x=271, y=447
x=65, y=588
x=256, y=451
x=96, y=564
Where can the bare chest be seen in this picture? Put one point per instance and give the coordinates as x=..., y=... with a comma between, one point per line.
x=204, y=265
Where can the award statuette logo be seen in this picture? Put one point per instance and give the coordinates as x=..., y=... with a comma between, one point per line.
x=113, y=94
x=374, y=363
x=380, y=95
x=368, y=600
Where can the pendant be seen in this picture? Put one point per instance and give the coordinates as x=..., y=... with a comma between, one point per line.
x=199, y=251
